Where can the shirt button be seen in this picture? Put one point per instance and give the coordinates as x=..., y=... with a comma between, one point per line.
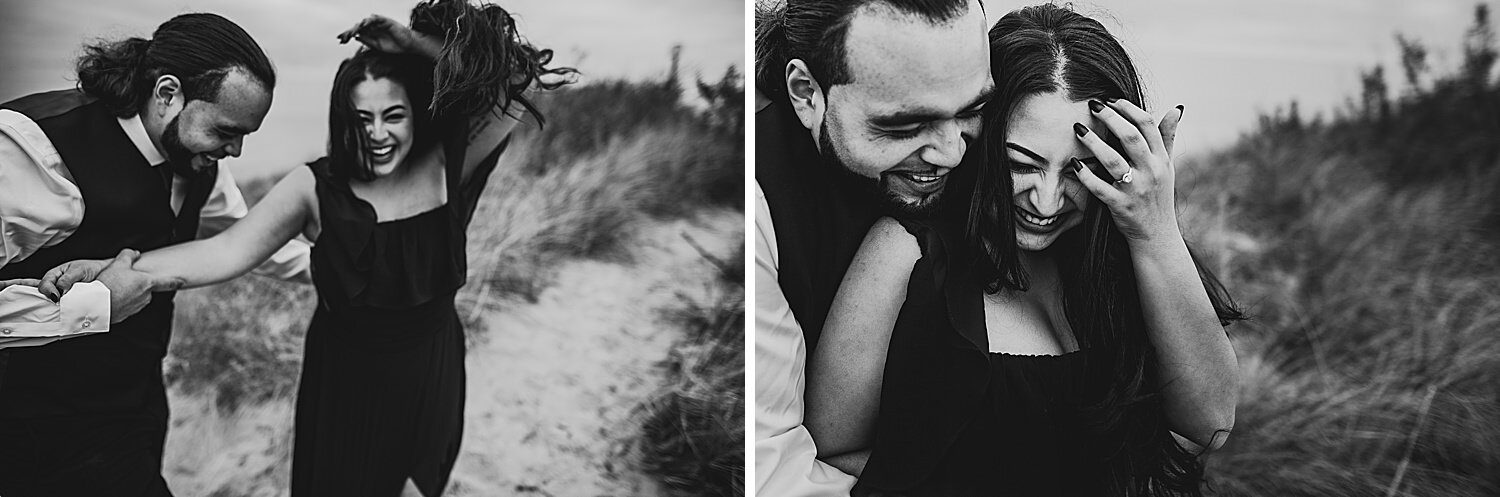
x=5, y=331
x=87, y=323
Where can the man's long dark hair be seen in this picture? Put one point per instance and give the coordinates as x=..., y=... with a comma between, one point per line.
x=1043, y=49
x=815, y=30
x=199, y=49
x=484, y=64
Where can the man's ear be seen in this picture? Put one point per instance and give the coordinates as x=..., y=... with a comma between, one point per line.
x=808, y=98
x=166, y=96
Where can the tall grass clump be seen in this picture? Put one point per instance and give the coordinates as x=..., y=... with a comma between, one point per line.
x=692, y=432
x=611, y=153
x=1366, y=247
x=240, y=342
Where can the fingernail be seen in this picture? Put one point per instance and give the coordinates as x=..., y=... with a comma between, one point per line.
x=1180, y=111
x=1095, y=106
x=1111, y=100
x=1077, y=165
x=1080, y=129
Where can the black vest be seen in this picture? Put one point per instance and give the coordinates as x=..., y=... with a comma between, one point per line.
x=127, y=204
x=820, y=218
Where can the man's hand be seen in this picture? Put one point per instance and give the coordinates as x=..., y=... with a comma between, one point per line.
x=129, y=290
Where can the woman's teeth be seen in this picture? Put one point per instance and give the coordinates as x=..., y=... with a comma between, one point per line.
x=1040, y=221
x=382, y=150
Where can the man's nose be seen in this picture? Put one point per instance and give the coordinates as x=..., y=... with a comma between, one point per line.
x=234, y=147
x=947, y=146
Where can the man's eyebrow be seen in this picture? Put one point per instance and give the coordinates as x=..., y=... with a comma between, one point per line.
x=1033, y=155
x=982, y=99
x=908, y=116
x=230, y=128
x=912, y=116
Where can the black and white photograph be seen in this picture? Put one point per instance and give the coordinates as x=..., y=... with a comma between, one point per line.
x=372, y=248
x=1125, y=248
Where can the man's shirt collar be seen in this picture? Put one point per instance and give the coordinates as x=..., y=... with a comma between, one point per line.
x=136, y=130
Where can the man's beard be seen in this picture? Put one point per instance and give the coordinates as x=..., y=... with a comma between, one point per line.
x=179, y=158
x=878, y=190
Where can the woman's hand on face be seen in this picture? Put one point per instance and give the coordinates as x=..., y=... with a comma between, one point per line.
x=386, y=35
x=1142, y=198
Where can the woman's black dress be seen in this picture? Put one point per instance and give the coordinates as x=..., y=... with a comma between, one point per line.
x=958, y=420
x=382, y=392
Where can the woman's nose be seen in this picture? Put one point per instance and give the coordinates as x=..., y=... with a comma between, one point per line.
x=1047, y=194
x=377, y=131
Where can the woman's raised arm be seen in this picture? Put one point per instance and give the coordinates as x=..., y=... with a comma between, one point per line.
x=483, y=67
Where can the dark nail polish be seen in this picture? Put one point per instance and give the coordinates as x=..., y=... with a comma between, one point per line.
x=1095, y=106
x=1111, y=100
x=1077, y=165
x=1180, y=111
x=1080, y=129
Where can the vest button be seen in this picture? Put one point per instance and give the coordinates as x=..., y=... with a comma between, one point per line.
x=86, y=324
x=6, y=331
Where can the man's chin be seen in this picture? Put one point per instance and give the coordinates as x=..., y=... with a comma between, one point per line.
x=899, y=205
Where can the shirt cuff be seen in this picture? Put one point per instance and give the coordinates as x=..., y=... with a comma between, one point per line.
x=29, y=318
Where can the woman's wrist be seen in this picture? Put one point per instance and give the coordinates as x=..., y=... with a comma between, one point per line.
x=1166, y=243
x=427, y=46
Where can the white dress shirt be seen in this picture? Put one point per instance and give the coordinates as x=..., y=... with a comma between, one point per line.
x=40, y=206
x=786, y=463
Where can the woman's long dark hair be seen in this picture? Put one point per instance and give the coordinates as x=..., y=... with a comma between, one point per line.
x=1043, y=49
x=484, y=64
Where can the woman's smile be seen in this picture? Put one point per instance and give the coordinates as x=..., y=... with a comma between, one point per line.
x=1037, y=223
x=383, y=154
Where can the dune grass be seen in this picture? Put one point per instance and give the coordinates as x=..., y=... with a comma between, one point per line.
x=1366, y=251
x=692, y=434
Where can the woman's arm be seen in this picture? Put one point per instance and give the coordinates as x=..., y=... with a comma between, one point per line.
x=277, y=218
x=847, y=368
x=1195, y=361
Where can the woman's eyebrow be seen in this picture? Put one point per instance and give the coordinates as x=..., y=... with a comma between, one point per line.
x=1033, y=155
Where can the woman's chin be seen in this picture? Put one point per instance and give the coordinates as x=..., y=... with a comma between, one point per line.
x=1034, y=242
x=385, y=169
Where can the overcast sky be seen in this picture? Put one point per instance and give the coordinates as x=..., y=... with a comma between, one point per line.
x=1225, y=60
x=1228, y=60
x=630, y=39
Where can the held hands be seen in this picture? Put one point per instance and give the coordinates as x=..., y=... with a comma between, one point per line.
x=386, y=35
x=1142, y=198
x=129, y=290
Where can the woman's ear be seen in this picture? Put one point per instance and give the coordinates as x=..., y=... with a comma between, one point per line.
x=807, y=96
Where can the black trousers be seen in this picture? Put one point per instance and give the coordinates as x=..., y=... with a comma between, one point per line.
x=94, y=454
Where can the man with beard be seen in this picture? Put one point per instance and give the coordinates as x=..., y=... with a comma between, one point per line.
x=871, y=104
x=126, y=162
